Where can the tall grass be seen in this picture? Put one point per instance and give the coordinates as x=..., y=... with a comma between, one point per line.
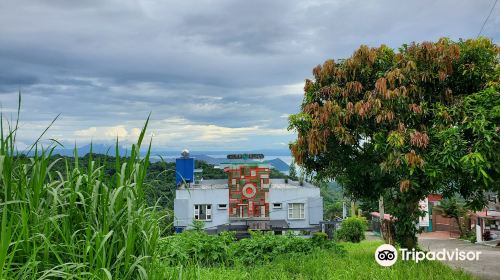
x=77, y=224
x=357, y=263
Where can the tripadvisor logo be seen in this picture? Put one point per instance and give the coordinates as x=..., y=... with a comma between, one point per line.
x=387, y=255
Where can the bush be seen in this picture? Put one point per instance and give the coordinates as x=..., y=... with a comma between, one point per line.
x=320, y=239
x=352, y=229
x=196, y=248
x=469, y=235
x=191, y=247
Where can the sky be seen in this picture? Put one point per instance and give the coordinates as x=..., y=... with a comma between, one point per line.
x=215, y=75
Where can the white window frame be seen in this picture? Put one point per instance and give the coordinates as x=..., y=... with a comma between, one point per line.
x=279, y=206
x=224, y=207
x=301, y=211
x=208, y=212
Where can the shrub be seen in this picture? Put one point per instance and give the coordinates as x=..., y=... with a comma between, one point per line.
x=352, y=229
x=469, y=235
x=196, y=247
x=191, y=247
x=320, y=239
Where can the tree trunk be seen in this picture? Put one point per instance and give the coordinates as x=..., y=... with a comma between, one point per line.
x=386, y=231
x=382, y=213
x=406, y=225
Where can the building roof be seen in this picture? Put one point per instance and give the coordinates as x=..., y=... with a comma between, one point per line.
x=484, y=214
x=386, y=216
x=280, y=184
x=435, y=197
x=208, y=184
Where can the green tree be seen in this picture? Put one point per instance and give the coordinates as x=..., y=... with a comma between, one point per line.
x=352, y=229
x=454, y=210
x=374, y=123
x=292, y=173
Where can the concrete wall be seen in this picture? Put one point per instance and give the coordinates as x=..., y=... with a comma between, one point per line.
x=313, y=205
x=315, y=209
x=186, y=199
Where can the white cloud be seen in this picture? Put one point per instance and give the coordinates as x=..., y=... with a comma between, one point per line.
x=107, y=132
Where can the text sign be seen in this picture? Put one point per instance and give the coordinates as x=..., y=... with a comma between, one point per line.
x=245, y=156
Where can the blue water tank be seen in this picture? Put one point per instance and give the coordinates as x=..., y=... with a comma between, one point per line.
x=179, y=229
x=185, y=169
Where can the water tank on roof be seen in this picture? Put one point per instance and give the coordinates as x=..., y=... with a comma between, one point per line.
x=184, y=167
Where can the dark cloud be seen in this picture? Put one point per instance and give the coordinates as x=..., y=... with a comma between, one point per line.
x=214, y=74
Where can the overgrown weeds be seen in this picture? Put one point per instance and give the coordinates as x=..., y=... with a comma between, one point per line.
x=74, y=224
x=200, y=248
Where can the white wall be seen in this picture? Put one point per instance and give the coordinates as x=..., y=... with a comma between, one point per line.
x=313, y=205
x=186, y=199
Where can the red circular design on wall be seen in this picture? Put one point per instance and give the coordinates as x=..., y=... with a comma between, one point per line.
x=249, y=190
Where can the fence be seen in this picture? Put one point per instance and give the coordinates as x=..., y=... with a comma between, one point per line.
x=441, y=223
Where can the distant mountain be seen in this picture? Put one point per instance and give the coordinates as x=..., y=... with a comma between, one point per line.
x=266, y=152
x=96, y=149
x=276, y=163
x=169, y=156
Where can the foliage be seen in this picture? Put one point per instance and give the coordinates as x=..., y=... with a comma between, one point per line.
x=454, y=210
x=209, y=170
x=356, y=263
x=468, y=150
x=352, y=229
x=74, y=223
x=333, y=210
x=292, y=173
x=198, y=225
x=333, y=196
x=377, y=121
x=469, y=236
x=192, y=247
x=320, y=239
x=195, y=247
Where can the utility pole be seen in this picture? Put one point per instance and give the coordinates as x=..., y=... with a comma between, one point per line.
x=382, y=214
x=344, y=209
x=353, y=205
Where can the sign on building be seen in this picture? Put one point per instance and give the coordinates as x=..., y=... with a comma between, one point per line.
x=424, y=206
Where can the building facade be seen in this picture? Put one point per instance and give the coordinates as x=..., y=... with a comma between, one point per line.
x=247, y=199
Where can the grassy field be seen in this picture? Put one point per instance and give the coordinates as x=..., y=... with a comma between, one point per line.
x=358, y=263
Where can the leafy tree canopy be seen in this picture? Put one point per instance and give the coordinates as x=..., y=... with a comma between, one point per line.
x=404, y=124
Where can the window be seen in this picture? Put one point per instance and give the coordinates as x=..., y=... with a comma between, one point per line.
x=222, y=206
x=203, y=212
x=277, y=205
x=295, y=211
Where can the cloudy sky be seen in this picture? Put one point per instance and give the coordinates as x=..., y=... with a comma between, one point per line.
x=216, y=75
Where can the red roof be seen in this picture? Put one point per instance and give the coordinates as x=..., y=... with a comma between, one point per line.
x=484, y=214
x=434, y=197
x=386, y=216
